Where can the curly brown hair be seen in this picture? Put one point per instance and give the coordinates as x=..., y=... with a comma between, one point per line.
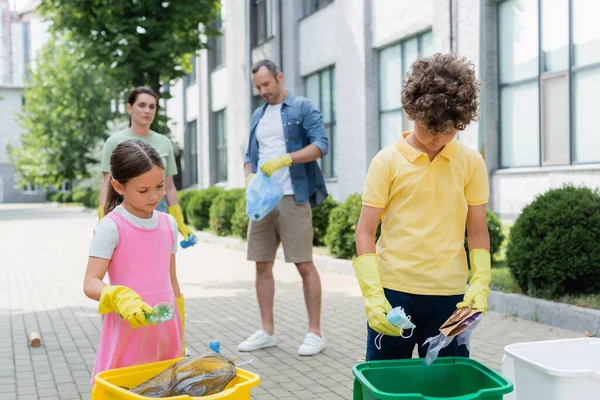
x=441, y=93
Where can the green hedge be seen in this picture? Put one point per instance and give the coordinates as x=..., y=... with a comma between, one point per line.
x=239, y=220
x=80, y=196
x=553, y=247
x=197, y=210
x=320, y=219
x=184, y=197
x=341, y=231
x=222, y=210
x=56, y=197
x=496, y=236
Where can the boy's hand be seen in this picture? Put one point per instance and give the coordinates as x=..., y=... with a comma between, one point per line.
x=377, y=306
x=276, y=163
x=479, y=287
x=126, y=302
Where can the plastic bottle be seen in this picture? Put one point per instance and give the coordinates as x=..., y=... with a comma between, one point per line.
x=192, y=240
x=215, y=346
x=162, y=312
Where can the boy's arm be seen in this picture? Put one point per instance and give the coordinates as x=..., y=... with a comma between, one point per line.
x=366, y=267
x=480, y=259
x=366, y=230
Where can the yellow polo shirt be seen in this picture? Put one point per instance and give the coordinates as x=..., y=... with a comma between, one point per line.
x=425, y=211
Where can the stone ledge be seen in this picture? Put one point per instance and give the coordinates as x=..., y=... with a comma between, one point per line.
x=560, y=315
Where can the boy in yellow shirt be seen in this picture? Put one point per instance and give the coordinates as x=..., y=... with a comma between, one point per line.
x=425, y=188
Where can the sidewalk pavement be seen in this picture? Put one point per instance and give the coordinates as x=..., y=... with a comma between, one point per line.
x=43, y=253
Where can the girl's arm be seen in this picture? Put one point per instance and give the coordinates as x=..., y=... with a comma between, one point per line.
x=366, y=230
x=94, y=274
x=174, y=280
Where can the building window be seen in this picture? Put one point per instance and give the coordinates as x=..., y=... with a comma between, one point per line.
x=394, y=62
x=221, y=144
x=219, y=41
x=257, y=101
x=320, y=90
x=310, y=6
x=263, y=21
x=190, y=79
x=192, y=144
x=546, y=84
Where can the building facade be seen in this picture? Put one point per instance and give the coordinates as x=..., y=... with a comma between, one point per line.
x=22, y=33
x=538, y=62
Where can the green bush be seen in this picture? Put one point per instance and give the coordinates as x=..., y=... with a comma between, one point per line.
x=93, y=199
x=496, y=236
x=184, y=197
x=198, y=207
x=49, y=195
x=222, y=210
x=56, y=197
x=320, y=219
x=81, y=196
x=553, y=246
x=67, y=197
x=239, y=220
x=341, y=231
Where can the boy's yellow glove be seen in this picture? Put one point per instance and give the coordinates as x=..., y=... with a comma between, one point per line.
x=100, y=212
x=377, y=306
x=124, y=301
x=276, y=163
x=181, y=307
x=479, y=287
x=176, y=212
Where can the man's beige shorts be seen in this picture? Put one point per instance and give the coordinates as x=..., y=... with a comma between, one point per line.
x=290, y=224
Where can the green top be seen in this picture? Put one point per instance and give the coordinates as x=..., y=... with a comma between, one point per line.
x=161, y=144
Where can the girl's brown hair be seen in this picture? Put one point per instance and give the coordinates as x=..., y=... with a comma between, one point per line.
x=129, y=159
x=133, y=95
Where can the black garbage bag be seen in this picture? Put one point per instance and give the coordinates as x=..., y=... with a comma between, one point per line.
x=197, y=376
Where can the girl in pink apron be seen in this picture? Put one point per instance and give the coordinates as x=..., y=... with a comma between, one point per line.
x=135, y=245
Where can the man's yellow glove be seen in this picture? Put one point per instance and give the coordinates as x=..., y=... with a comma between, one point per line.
x=276, y=163
x=377, y=306
x=479, y=287
x=248, y=179
x=126, y=302
x=175, y=211
x=181, y=307
x=100, y=212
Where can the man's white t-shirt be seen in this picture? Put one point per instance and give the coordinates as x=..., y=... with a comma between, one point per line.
x=271, y=144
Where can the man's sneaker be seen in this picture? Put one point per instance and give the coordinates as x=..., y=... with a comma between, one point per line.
x=259, y=340
x=312, y=345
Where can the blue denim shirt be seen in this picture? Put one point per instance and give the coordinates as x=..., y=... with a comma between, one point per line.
x=302, y=125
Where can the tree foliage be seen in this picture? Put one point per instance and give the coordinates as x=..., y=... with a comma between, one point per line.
x=145, y=43
x=67, y=108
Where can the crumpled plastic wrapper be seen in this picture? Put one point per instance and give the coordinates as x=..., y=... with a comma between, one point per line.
x=460, y=325
x=198, y=376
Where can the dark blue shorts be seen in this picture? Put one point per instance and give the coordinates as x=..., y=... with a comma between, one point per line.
x=428, y=313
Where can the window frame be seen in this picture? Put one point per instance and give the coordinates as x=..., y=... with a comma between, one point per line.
x=400, y=44
x=540, y=78
x=309, y=7
x=221, y=173
x=329, y=172
x=269, y=25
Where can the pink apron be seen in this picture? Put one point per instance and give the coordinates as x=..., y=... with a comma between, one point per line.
x=141, y=262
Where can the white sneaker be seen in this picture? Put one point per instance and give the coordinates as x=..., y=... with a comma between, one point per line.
x=312, y=345
x=259, y=340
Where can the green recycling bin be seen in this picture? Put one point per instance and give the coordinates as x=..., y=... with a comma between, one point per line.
x=448, y=378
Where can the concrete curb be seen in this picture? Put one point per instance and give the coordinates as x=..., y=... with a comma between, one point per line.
x=560, y=315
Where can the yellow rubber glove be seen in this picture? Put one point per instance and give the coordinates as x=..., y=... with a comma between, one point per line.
x=479, y=287
x=124, y=301
x=181, y=307
x=377, y=306
x=176, y=212
x=278, y=162
x=248, y=179
x=100, y=212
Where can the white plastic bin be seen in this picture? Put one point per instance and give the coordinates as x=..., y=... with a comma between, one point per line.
x=555, y=369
